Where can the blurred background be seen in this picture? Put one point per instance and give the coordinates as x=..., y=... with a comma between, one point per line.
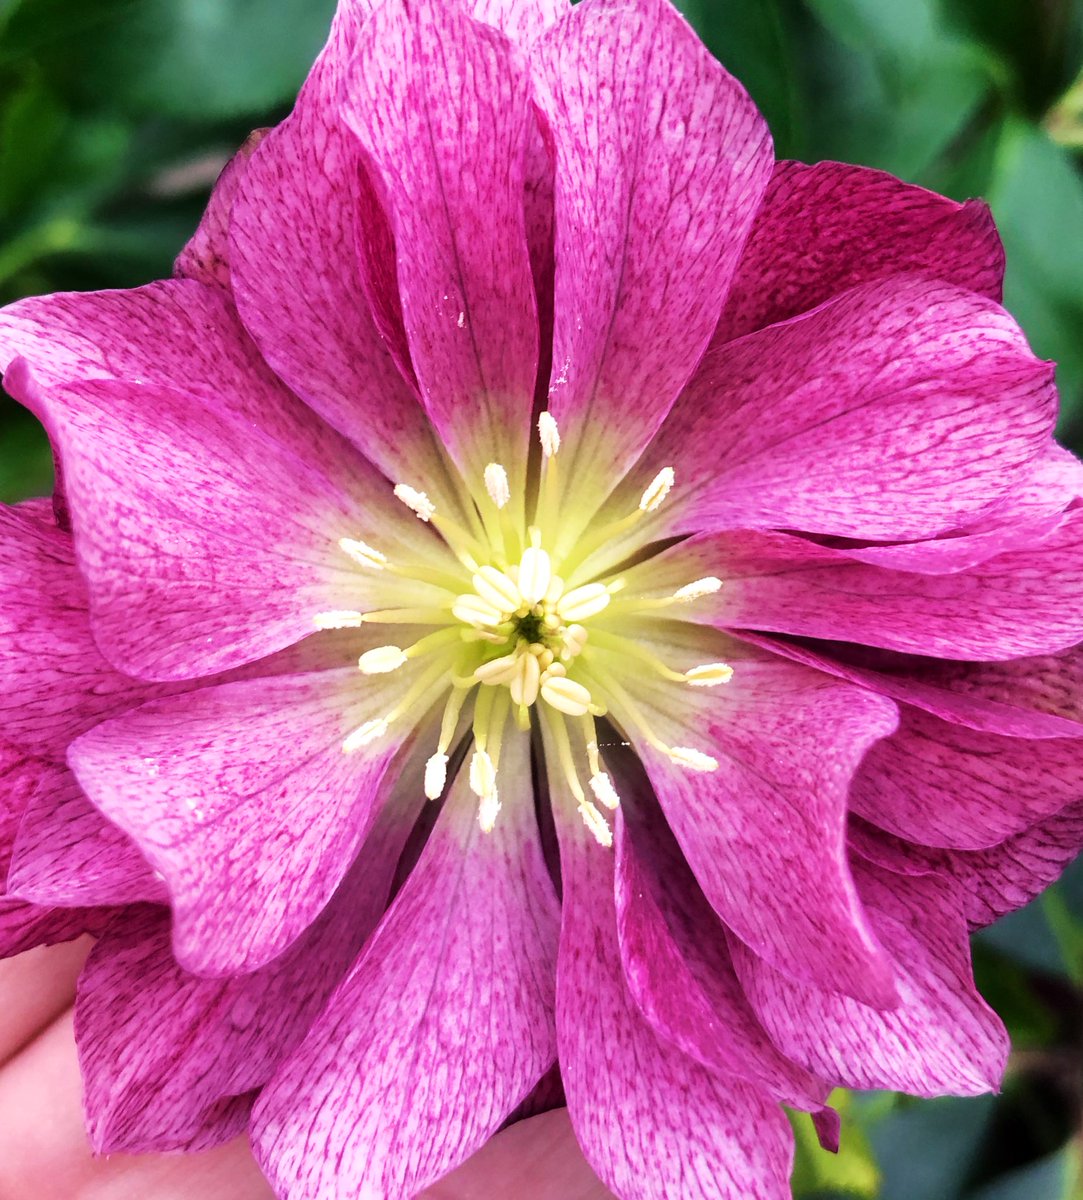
x=116, y=116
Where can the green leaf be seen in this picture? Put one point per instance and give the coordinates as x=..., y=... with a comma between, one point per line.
x=817, y=1172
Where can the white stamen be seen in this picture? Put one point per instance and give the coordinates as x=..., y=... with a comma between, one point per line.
x=488, y=810
x=496, y=484
x=417, y=501
x=564, y=694
x=657, y=489
x=339, y=619
x=526, y=682
x=709, y=675
x=368, y=732
x=695, y=760
x=583, y=602
x=499, y=670
x=604, y=791
x=476, y=611
x=494, y=586
x=535, y=572
x=381, y=660
x=482, y=774
x=363, y=554
x=596, y=823
x=549, y=434
x=575, y=638
x=701, y=587
x=435, y=776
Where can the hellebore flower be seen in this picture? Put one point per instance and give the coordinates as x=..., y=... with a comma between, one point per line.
x=685, y=526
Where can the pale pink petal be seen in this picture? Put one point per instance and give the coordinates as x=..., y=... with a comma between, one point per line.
x=443, y=1027
x=56, y=682
x=1022, y=602
x=66, y=853
x=297, y=278
x=165, y=1053
x=825, y=228
x=442, y=107
x=678, y=969
x=661, y=160
x=893, y=412
x=941, y=1039
x=941, y=784
x=651, y=1120
x=522, y=20
x=208, y=503
x=205, y=257
x=242, y=798
x=765, y=832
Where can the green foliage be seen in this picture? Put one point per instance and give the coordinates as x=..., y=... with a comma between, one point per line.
x=116, y=115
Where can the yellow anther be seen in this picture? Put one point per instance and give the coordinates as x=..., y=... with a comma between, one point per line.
x=709, y=675
x=526, y=681
x=548, y=434
x=435, y=776
x=701, y=587
x=488, y=811
x=535, y=572
x=500, y=670
x=582, y=603
x=482, y=774
x=339, y=619
x=381, y=660
x=497, y=589
x=474, y=610
x=694, y=760
x=565, y=695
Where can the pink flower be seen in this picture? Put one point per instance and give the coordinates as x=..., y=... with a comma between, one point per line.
x=696, y=525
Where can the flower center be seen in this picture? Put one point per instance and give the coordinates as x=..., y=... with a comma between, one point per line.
x=527, y=629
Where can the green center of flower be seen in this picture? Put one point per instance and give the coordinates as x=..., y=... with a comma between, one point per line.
x=528, y=630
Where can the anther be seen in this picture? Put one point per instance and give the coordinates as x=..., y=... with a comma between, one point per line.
x=604, y=791
x=548, y=434
x=339, y=619
x=416, y=501
x=535, y=572
x=657, y=490
x=596, y=823
x=499, y=670
x=369, y=732
x=701, y=587
x=435, y=776
x=695, y=760
x=362, y=553
x=475, y=611
x=495, y=587
x=584, y=602
x=496, y=484
x=526, y=681
x=488, y=810
x=564, y=694
x=709, y=675
x=482, y=774
x=382, y=659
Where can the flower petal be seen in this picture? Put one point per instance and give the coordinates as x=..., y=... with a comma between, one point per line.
x=825, y=228
x=66, y=853
x=651, y=1121
x=893, y=412
x=941, y=784
x=765, y=832
x=295, y=229
x=942, y=1038
x=661, y=160
x=161, y=1059
x=205, y=257
x=242, y=798
x=521, y=20
x=442, y=1028
x=678, y=969
x=442, y=108
x=208, y=503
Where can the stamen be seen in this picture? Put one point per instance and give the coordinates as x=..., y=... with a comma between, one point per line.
x=701, y=587
x=709, y=675
x=564, y=694
x=695, y=760
x=435, y=776
x=362, y=553
x=366, y=733
x=548, y=434
x=416, y=501
x=488, y=811
x=482, y=774
x=657, y=490
x=597, y=824
x=339, y=619
x=496, y=484
x=604, y=791
x=535, y=572
x=526, y=680
x=500, y=670
x=474, y=610
x=382, y=659
x=498, y=589
x=584, y=602
x=575, y=638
